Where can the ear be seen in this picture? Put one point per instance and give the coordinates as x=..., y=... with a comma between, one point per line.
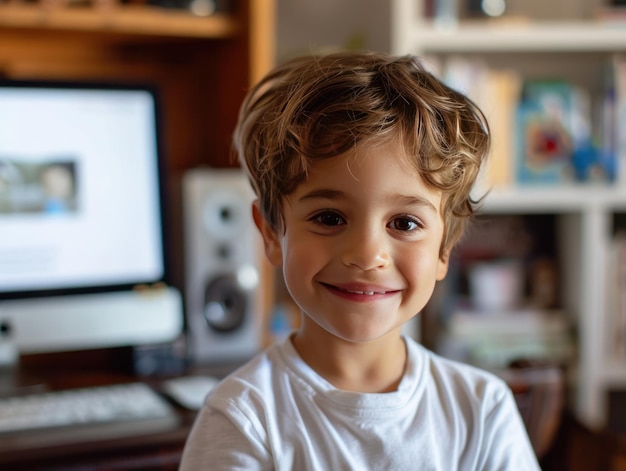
x=442, y=264
x=271, y=242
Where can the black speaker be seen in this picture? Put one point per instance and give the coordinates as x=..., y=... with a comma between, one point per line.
x=222, y=266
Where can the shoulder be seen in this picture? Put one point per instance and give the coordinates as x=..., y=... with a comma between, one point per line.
x=461, y=379
x=258, y=384
x=255, y=375
x=478, y=406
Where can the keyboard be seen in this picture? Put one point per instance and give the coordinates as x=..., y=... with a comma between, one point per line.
x=94, y=412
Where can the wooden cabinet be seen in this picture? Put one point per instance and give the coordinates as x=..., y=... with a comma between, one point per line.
x=201, y=65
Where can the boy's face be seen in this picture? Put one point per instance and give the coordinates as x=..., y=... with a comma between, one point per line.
x=360, y=250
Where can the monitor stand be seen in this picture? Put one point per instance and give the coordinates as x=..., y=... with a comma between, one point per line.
x=91, y=321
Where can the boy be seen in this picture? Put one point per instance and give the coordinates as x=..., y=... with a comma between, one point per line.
x=362, y=164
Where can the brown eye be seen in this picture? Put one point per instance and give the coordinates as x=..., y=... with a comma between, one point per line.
x=405, y=224
x=329, y=218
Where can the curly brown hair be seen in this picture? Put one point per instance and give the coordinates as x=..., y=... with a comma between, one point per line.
x=318, y=107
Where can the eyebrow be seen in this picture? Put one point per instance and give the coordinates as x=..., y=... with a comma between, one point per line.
x=404, y=200
x=323, y=193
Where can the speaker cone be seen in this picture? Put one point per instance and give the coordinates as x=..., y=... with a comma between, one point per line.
x=225, y=303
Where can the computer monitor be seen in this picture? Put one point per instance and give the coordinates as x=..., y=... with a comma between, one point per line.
x=82, y=218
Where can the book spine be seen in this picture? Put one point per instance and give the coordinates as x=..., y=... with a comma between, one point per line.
x=619, y=70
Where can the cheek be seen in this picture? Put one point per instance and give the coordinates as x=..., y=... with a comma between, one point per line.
x=421, y=265
x=422, y=279
x=301, y=257
x=301, y=264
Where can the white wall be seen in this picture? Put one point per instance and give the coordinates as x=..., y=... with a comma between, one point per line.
x=321, y=25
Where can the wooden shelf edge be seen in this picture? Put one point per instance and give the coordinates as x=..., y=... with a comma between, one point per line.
x=134, y=20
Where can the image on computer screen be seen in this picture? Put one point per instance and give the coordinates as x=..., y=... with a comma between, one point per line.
x=80, y=201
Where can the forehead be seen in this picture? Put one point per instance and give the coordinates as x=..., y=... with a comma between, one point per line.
x=370, y=170
x=387, y=154
x=391, y=150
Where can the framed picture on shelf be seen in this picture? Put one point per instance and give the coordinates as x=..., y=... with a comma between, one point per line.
x=544, y=150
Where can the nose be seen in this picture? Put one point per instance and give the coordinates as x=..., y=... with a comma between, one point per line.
x=366, y=249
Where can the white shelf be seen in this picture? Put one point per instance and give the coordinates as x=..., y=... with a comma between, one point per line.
x=520, y=37
x=556, y=199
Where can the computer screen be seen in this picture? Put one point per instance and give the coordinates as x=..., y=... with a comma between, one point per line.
x=81, y=209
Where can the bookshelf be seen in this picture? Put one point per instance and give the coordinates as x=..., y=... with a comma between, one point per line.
x=576, y=48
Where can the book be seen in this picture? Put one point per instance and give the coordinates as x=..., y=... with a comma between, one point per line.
x=494, y=341
x=529, y=321
x=497, y=93
x=619, y=77
x=545, y=143
x=499, y=105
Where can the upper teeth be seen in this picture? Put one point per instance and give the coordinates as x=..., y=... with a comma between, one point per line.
x=362, y=292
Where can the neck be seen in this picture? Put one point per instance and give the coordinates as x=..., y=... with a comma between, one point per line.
x=374, y=366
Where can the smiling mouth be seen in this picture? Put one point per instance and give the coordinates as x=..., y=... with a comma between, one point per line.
x=359, y=292
x=369, y=293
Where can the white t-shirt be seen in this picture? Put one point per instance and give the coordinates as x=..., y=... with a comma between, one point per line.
x=277, y=413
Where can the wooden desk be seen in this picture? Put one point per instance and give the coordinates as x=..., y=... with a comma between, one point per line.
x=120, y=448
x=158, y=450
